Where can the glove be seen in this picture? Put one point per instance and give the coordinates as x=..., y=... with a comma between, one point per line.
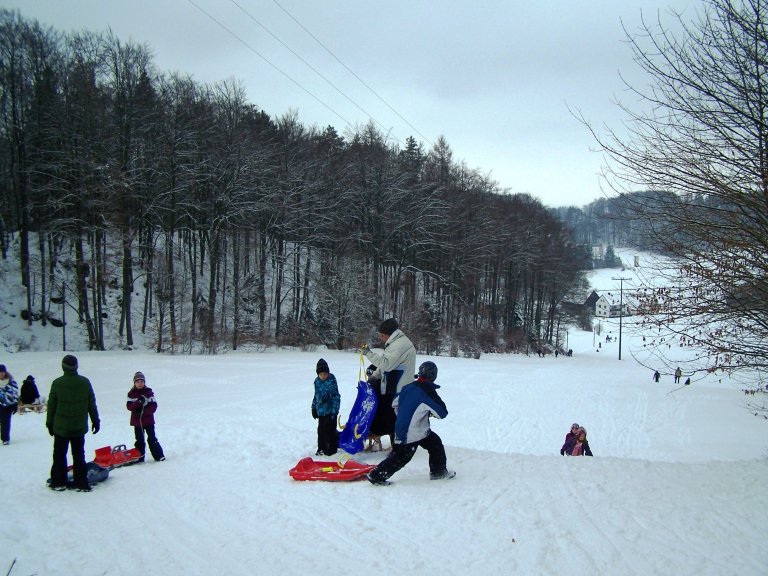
x=50, y=430
x=96, y=427
x=144, y=400
x=314, y=413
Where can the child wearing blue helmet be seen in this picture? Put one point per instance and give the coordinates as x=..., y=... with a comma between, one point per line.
x=414, y=405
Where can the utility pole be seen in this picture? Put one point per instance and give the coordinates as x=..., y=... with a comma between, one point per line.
x=64, y=316
x=621, y=307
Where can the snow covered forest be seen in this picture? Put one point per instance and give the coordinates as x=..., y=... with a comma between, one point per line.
x=213, y=224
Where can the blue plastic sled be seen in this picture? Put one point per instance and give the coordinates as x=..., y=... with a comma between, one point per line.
x=94, y=474
x=360, y=417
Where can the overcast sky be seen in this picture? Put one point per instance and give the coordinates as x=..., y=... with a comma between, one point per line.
x=494, y=77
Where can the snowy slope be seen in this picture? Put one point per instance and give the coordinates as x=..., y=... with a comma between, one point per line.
x=675, y=487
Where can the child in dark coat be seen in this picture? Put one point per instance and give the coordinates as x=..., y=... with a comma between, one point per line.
x=141, y=402
x=570, y=440
x=415, y=404
x=29, y=392
x=325, y=408
x=581, y=446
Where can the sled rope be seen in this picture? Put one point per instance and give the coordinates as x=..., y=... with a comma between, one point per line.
x=360, y=371
x=361, y=368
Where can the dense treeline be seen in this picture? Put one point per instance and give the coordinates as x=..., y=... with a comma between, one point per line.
x=218, y=225
x=614, y=221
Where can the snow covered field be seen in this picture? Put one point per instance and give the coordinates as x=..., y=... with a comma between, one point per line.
x=677, y=484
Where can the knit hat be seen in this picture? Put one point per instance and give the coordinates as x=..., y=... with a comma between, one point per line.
x=428, y=371
x=139, y=376
x=322, y=366
x=388, y=326
x=29, y=380
x=2, y=368
x=69, y=363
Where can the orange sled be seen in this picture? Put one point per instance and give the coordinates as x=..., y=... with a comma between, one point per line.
x=113, y=457
x=341, y=471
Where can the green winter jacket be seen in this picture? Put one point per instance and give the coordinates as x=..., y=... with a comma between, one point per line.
x=70, y=402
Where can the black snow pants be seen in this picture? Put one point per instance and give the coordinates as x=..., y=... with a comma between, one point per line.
x=403, y=453
x=327, y=437
x=154, y=446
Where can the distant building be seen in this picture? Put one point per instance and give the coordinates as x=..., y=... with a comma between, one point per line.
x=608, y=305
x=577, y=305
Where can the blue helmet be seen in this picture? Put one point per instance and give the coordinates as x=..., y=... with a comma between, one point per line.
x=428, y=370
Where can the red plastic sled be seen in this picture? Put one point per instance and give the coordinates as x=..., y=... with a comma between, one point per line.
x=110, y=458
x=341, y=471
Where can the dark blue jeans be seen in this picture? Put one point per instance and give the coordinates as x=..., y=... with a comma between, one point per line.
x=5, y=422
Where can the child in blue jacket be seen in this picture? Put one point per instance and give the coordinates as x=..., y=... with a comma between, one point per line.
x=415, y=404
x=9, y=401
x=325, y=409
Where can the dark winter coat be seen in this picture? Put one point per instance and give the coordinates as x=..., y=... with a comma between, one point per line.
x=70, y=403
x=327, y=399
x=383, y=422
x=414, y=405
x=585, y=450
x=9, y=392
x=570, y=440
x=29, y=392
x=584, y=445
x=142, y=404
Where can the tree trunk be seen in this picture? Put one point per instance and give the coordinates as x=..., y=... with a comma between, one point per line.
x=81, y=268
x=125, y=312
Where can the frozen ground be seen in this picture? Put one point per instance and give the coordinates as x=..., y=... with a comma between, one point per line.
x=676, y=486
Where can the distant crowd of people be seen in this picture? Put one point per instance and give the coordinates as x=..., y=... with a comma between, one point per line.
x=678, y=374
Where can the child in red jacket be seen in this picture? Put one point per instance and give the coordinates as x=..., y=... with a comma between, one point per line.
x=141, y=402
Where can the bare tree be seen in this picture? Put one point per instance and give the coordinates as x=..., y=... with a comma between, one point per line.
x=700, y=131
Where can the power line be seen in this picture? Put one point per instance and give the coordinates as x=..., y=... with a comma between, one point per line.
x=268, y=61
x=315, y=70
x=352, y=72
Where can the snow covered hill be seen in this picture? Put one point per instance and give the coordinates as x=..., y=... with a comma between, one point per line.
x=675, y=486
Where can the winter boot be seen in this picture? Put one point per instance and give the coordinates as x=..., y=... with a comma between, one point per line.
x=442, y=475
x=375, y=478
